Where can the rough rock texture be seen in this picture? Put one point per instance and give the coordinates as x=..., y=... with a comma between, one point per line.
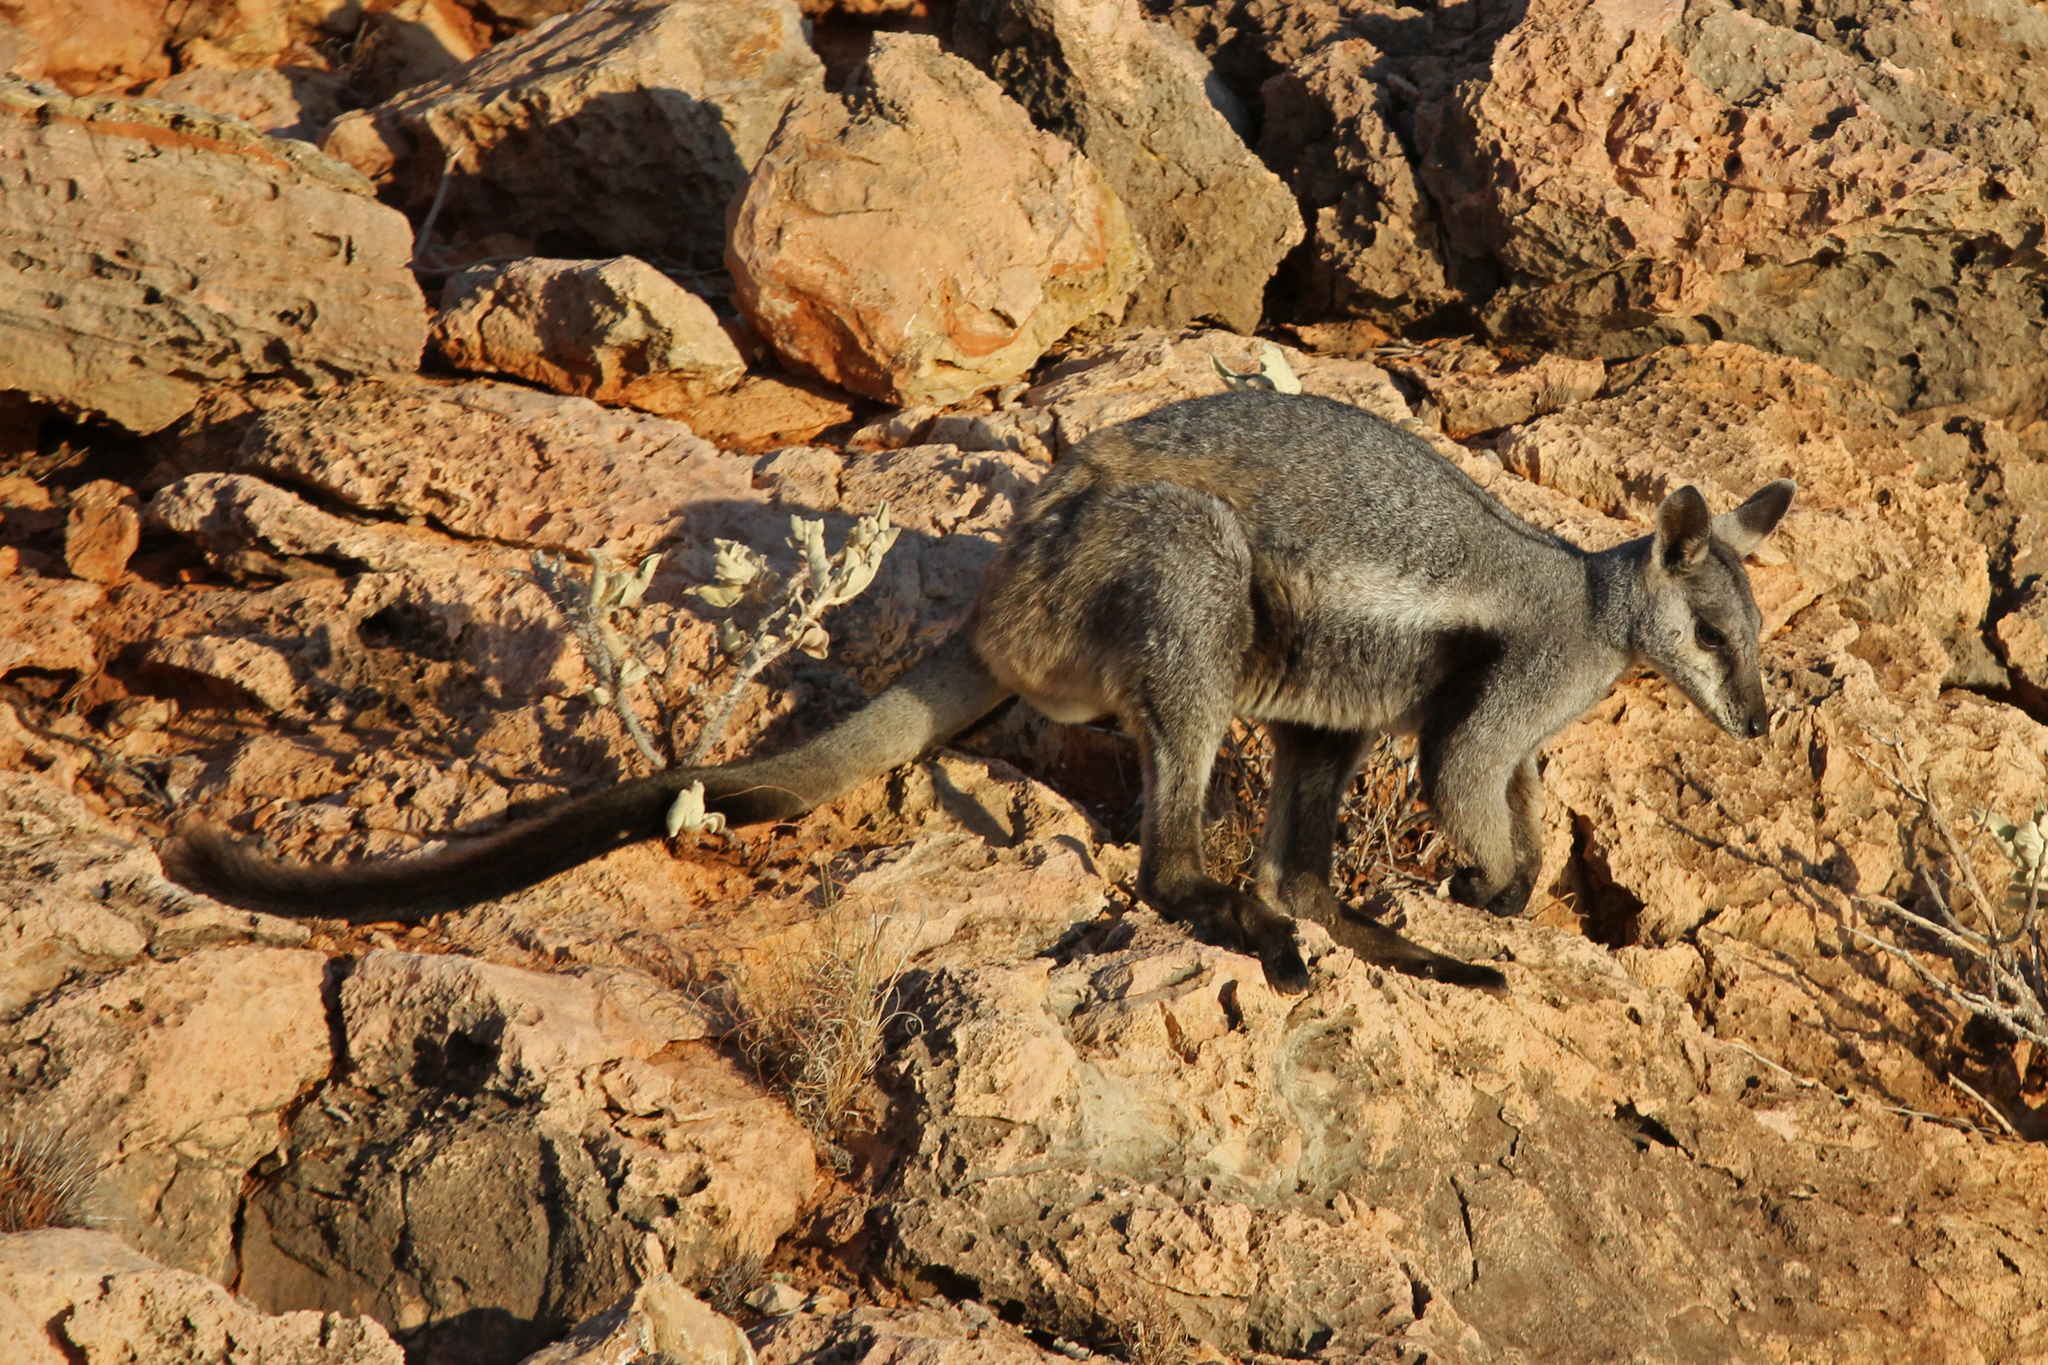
x=1875, y=592
x=295, y=102
x=933, y=1333
x=618, y=331
x=922, y=242
x=81, y=898
x=69, y=1296
x=1141, y=102
x=1382, y=1169
x=305, y=274
x=621, y=129
x=503, y=1145
x=1724, y=174
x=1376, y=247
x=661, y=1319
x=101, y=530
x=406, y=43
x=177, y=1073
x=88, y=45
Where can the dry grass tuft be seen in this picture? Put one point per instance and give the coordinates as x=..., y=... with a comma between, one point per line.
x=1142, y=1330
x=726, y=1288
x=46, y=1178
x=1384, y=837
x=812, y=1022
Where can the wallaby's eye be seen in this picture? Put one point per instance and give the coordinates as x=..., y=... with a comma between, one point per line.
x=1707, y=637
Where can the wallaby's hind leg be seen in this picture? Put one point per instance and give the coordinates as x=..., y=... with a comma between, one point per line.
x=1178, y=751
x=1311, y=770
x=1173, y=635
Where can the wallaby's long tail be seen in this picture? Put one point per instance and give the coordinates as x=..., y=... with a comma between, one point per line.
x=927, y=706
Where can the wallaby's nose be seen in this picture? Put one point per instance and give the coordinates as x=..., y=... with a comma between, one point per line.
x=1756, y=725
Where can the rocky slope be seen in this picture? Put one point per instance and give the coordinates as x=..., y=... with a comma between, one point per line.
x=289, y=435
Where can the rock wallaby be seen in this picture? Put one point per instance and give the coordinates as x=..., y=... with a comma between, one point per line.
x=1287, y=559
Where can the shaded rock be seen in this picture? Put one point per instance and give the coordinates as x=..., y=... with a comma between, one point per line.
x=621, y=129
x=293, y=101
x=178, y=1074
x=1698, y=171
x=101, y=531
x=660, y=1318
x=1139, y=100
x=68, y=1295
x=849, y=253
x=503, y=1146
x=1472, y=392
x=1384, y=1168
x=404, y=43
x=1376, y=244
x=618, y=331
x=305, y=273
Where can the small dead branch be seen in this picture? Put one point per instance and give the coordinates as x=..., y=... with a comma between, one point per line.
x=1993, y=945
x=588, y=604
x=795, y=605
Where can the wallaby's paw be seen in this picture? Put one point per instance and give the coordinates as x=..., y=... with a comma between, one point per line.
x=1229, y=918
x=1286, y=973
x=1469, y=887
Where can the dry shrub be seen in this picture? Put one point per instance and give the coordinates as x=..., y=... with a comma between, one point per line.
x=812, y=1021
x=738, y=1274
x=1142, y=1330
x=46, y=1178
x=1384, y=835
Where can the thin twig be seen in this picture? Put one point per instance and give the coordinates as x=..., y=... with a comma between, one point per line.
x=2003, y=1122
x=424, y=242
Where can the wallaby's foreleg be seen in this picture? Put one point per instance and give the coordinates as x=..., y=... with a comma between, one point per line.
x=1312, y=768
x=1490, y=810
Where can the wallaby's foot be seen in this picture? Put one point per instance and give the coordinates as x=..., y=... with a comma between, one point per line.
x=1469, y=887
x=1371, y=941
x=1231, y=919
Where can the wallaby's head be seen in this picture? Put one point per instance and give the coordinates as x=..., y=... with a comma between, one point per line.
x=1699, y=626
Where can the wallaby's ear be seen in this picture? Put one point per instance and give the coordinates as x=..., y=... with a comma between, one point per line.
x=1683, y=529
x=1745, y=528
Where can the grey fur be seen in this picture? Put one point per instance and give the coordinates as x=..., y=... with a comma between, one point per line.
x=1286, y=559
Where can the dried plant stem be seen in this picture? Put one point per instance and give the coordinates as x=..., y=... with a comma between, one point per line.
x=768, y=646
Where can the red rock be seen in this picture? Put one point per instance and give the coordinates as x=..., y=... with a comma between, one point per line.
x=618, y=331
x=621, y=129
x=102, y=531
x=248, y=256
x=923, y=241
x=1158, y=125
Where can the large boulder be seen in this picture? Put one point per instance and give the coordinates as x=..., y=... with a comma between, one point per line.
x=922, y=242
x=68, y=1296
x=504, y=1148
x=1852, y=184
x=176, y=1074
x=621, y=129
x=240, y=256
x=618, y=331
x=1131, y=1138
x=1141, y=102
